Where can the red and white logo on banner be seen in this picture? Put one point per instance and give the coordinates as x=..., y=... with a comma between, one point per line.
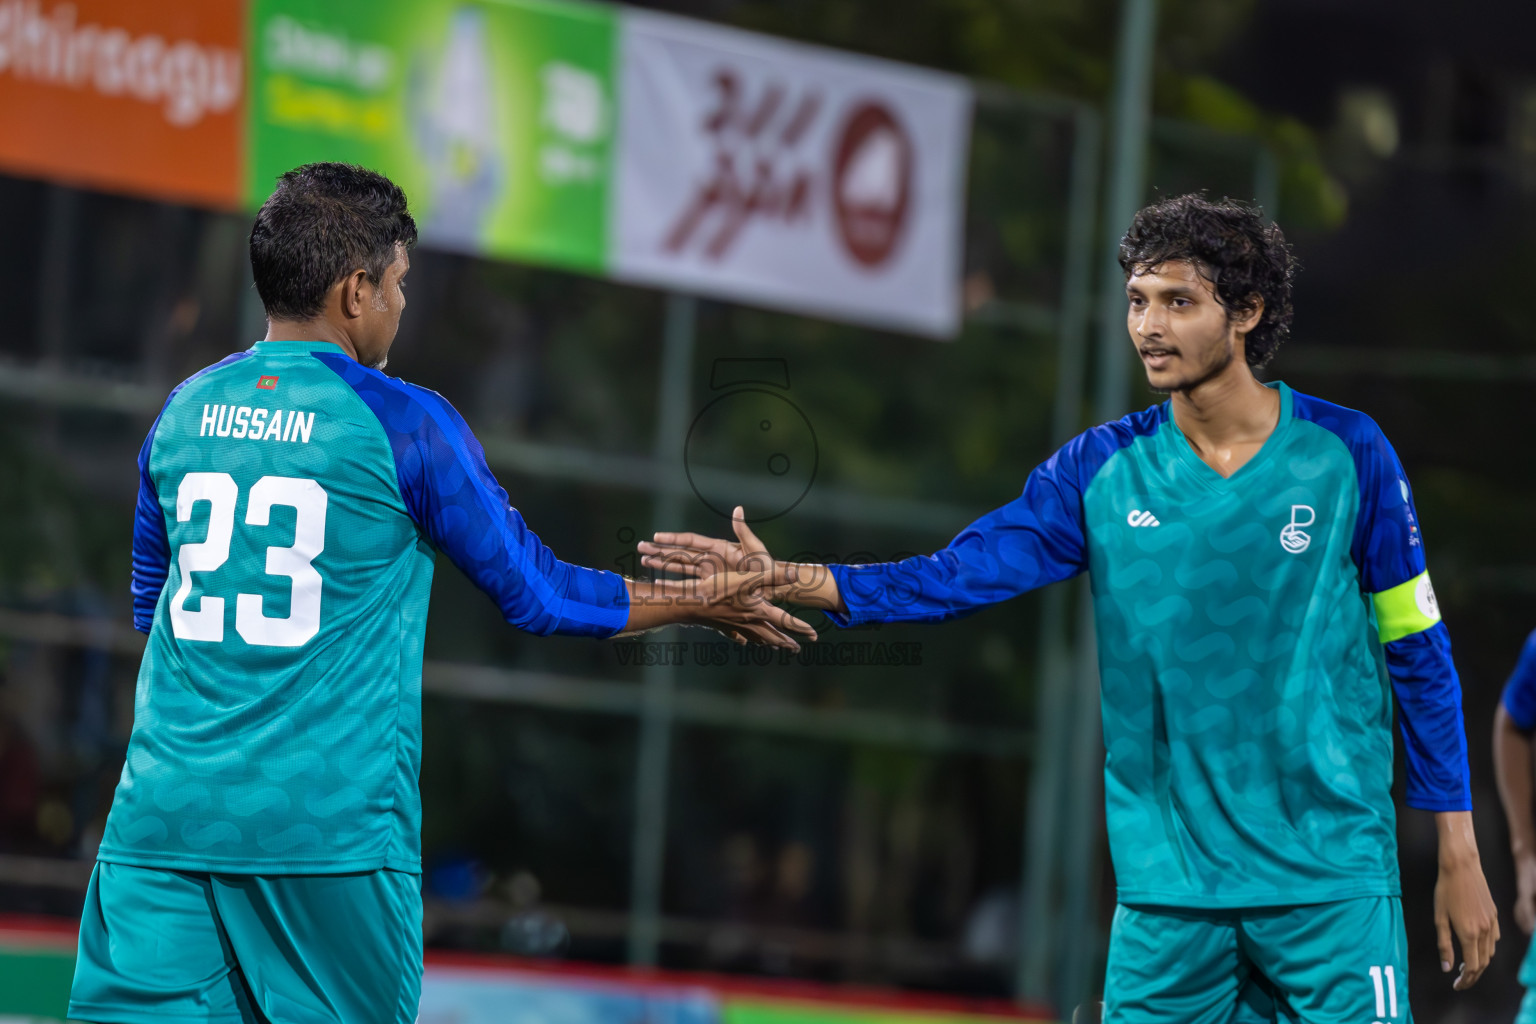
x=762, y=170
x=872, y=183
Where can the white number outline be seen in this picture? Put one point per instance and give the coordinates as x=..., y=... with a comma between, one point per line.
x=1386, y=994
x=309, y=501
x=220, y=491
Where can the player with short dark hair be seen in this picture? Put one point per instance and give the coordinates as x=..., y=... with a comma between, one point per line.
x=262, y=859
x=1260, y=593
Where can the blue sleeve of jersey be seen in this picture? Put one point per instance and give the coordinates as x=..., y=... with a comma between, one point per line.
x=1429, y=705
x=1520, y=692
x=1389, y=551
x=151, y=544
x=1036, y=539
x=452, y=495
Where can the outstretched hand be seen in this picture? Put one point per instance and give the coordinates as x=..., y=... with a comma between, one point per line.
x=702, y=558
x=698, y=557
x=735, y=598
x=738, y=605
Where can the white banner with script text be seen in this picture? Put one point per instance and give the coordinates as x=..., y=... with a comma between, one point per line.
x=789, y=176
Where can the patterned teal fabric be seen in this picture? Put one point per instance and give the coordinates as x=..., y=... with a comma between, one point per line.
x=179, y=947
x=1247, y=719
x=254, y=747
x=291, y=504
x=1247, y=697
x=1344, y=962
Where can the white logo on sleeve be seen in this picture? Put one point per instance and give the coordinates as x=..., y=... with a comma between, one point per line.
x=1140, y=518
x=1292, y=537
x=1424, y=597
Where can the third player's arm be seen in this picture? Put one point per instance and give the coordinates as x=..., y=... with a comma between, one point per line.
x=1512, y=767
x=1512, y=770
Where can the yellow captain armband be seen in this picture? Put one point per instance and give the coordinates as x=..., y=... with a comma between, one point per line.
x=1406, y=609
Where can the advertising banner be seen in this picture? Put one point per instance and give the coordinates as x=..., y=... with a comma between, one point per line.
x=787, y=175
x=136, y=96
x=646, y=147
x=456, y=995
x=757, y=1010
x=496, y=118
x=584, y=994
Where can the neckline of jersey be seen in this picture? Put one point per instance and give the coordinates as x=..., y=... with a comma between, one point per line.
x=1204, y=472
x=265, y=345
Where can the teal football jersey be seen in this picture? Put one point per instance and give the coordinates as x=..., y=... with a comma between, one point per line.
x=1251, y=632
x=291, y=506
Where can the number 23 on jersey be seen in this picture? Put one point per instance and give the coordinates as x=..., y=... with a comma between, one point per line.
x=308, y=499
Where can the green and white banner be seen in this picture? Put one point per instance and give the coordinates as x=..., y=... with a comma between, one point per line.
x=496, y=118
x=655, y=149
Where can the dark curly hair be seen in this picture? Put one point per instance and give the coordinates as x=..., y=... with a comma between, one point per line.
x=1231, y=245
x=322, y=222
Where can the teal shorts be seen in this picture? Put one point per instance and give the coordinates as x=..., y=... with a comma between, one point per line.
x=1323, y=963
x=183, y=946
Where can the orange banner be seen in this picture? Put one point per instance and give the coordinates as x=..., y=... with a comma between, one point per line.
x=141, y=96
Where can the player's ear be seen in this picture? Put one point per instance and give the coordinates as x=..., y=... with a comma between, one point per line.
x=1249, y=317
x=353, y=299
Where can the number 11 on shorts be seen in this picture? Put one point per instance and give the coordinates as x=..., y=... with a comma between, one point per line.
x=1386, y=994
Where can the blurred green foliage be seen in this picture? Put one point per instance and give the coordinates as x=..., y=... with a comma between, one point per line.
x=54, y=536
x=1068, y=47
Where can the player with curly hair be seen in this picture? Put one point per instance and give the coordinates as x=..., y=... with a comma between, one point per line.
x=1260, y=593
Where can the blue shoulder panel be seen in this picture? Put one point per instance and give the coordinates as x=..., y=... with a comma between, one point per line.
x=1520, y=691
x=452, y=495
x=151, y=542
x=1036, y=539
x=1389, y=551
x=1387, y=546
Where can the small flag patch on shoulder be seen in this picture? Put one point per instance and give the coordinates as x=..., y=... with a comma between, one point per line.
x=267, y=383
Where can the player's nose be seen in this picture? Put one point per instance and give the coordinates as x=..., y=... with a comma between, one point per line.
x=1146, y=325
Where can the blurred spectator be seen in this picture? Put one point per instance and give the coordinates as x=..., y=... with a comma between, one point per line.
x=794, y=878
x=19, y=787
x=991, y=934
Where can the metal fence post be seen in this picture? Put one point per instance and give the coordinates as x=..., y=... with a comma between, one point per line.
x=57, y=260
x=1054, y=677
x=648, y=846
x=1130, y=122
x=1266, y=181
